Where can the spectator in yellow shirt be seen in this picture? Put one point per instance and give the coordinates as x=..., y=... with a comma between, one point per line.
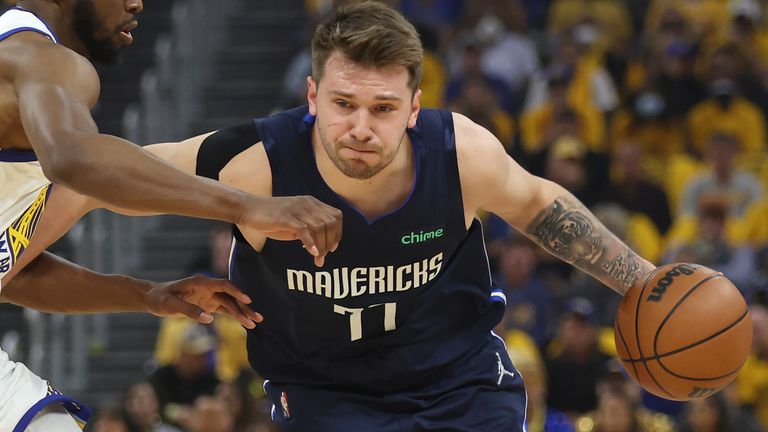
x=738, y=188
x=747, y=31
x=712, y=239
x=542, y=125
x=726, y=110
x=646, y=122
x=610, y=18
x=230, y=355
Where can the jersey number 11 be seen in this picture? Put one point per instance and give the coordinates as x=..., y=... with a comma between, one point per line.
x=356, y=318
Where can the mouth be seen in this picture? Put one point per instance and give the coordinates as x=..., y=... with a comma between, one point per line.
x=359, y=149
x=356, y=152
x=126, y=31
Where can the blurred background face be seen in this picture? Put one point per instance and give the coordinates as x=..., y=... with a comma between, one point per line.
x=141, y=403
x=675, y=62
x=614, y=414
x=210, y=415
x=628, y=157
x=568, y=172
x=109, y=422
x=192, y=364
x=517, y=263
x=476, y=96
x=673, y=24
x=712, y=222
x=702, y=415
x=362, y=114
x=578, y=336
x=721, y=153
x=104, y=26
x=722, y=65
x=471, y=60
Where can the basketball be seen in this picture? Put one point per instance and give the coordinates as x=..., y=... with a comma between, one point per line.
x=685, y=333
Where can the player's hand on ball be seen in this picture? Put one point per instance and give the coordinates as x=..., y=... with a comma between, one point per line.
x=304, y=218
x=198, y=298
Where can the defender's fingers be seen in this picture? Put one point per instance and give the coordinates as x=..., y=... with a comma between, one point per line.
x=302, y=232
x=332, y=218
x=231, y=308
x=226, y=287
x=175, y=305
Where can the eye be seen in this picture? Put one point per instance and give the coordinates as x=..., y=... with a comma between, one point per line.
x=385, y=108
x=343, y=104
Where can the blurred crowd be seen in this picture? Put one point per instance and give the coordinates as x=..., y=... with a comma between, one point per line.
x=652, y=112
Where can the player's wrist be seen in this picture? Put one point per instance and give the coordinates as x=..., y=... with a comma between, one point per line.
x=145, y=292
x=242, y=203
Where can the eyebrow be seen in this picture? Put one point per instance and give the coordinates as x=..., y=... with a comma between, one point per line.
x=383, y=97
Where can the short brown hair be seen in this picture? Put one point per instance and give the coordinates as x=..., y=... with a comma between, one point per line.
x=370, y=34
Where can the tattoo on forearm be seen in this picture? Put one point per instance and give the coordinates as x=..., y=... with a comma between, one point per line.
x=624, y=268
x=570, y=232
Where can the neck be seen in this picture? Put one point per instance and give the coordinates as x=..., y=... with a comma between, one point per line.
x=722, y=175
x=60, y=22
x=380, y=194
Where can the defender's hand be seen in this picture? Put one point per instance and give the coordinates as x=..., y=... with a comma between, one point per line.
x=198, y=297
x=304, y=218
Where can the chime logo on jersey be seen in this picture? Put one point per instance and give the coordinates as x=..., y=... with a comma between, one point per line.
x=346, y=282
x=421, y=236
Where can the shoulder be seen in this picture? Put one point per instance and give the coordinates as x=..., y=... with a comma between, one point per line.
x=236, y=156
x=216, y=150
x=31, y=50
x=483, y=162
x=477, y=149
x=31, y=58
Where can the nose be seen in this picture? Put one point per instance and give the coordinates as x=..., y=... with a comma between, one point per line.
x=134, y=6
x=361, y=127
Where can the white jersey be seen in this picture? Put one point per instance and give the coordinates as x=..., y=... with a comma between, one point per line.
x=24, y=186
x=23, y=192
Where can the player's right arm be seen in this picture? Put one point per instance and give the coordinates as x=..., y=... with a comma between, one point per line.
x=56, y=89
x=544, y=211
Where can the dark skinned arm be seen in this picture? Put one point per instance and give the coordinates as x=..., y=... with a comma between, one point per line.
x=52, y=284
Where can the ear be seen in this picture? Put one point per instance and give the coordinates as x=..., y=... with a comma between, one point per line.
x=415, y=107
x=312, y=95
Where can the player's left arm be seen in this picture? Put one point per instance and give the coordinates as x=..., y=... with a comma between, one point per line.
x=44, y=282
x=51, y=284
x=542, y=210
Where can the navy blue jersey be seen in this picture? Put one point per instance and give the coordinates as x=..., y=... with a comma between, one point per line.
x=403, y=297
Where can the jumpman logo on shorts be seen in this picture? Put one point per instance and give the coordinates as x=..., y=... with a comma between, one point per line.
x=502, y=371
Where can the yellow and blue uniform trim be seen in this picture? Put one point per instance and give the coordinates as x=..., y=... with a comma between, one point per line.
x=80, y=413
x=17, y=235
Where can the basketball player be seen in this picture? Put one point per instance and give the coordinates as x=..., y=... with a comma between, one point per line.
x=47, y=87
x=393, y=333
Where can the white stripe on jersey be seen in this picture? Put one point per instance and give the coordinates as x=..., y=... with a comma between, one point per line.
x=17, y=18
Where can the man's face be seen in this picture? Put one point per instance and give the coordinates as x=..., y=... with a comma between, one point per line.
x=362, y=114
x=104, y=26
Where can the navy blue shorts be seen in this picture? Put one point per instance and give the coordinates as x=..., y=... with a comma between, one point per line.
x=482, y=394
